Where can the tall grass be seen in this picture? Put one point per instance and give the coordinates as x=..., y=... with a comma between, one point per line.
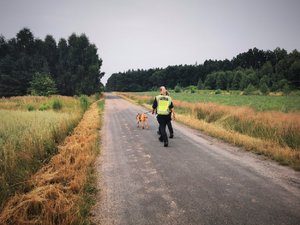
x=55, y=193
x=276, y=134
x=27, y=141
x=31, y=103
x=84, y=102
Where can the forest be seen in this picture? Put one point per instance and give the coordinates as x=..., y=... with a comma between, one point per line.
x=29, y=65
x=255, y=69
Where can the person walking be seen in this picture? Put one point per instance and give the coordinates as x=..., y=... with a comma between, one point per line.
x=163, y=105
x=169, y=123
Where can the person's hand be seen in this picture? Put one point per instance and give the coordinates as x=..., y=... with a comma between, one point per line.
x=174, y=117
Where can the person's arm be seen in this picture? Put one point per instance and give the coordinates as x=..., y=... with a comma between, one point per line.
x=154, y=106
x=171, y=107
x=173, y=113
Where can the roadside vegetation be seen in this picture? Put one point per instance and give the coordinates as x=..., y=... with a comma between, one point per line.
x=60, y=192
x=31, y=128
x=275, y=134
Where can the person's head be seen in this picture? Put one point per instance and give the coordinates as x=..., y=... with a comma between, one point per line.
x=162, y=90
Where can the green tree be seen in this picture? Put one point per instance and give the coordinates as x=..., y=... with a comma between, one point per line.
x=286, y=89
x=25, y=41
x=177, y=88
x=237, y=77
x=42, y=84
x=249, y=90
x=200, y=85
x=266, y=70
x=221, y=80
x=294, y=74
x=264, y=88
x=51, y=54
x=210, y=82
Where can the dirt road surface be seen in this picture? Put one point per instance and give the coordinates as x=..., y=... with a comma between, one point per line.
x=196, y=180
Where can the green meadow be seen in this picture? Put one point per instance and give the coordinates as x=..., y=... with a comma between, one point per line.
x=258, y=102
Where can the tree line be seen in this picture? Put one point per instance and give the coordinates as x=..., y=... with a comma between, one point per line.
x=29, y=65
x=265, y=70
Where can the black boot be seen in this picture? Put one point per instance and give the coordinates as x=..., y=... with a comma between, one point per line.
x=171, y=135
x=166, y=143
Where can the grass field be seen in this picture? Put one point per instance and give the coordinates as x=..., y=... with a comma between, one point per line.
x=275, y=134
x=259, y=103
x=61, y=191
x=30, y=130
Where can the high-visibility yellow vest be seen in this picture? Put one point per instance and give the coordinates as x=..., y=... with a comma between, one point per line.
x=163, y=103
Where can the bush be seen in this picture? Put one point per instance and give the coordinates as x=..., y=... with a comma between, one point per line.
x=217, y=92
x=101, y=105
x=264, y=89
x=286, y=89
x=249, y=90
x=177, y=88
x=200, y=85
x=193, y=89
x=42, y=84
x=84, y=102
x=56, y=104
x=44, y=107
x=30, y=107
x=97, y=96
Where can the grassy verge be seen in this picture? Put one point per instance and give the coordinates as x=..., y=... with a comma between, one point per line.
x=31, y=128
x=27, y=141
x=90, y=187
x=56, y=193
x=273, y=134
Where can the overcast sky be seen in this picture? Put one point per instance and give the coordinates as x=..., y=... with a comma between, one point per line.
x=132, y=34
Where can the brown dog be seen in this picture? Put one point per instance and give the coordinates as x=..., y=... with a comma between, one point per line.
x=143, y=119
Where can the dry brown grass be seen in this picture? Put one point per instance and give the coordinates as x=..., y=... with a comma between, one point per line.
x=283, y=155
x=54, y=191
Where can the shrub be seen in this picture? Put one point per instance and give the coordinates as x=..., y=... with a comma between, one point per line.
x=30, y=107
x=42, y=84
x=193, y=89
x=56, y=104
x=101, y=105
x=97, y=96
x=264, y=89
x=249, y=90
x=286, y=89
x=84, y=102
x=217, y=92
x=177, y=89
x=44, y=107
x=200, y=85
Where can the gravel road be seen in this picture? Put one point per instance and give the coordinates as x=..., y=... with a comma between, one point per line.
x=196, y=180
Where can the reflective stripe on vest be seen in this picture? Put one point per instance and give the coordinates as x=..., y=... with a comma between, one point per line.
x=163, y=103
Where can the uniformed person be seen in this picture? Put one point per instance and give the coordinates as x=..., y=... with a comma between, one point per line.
x=163, y=105
x=169, y=123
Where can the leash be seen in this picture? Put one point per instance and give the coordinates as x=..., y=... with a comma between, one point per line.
x=148, y=112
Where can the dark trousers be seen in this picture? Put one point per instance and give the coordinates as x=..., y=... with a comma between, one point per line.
x=169, y=124
x=163, y=120
x=170, y=127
